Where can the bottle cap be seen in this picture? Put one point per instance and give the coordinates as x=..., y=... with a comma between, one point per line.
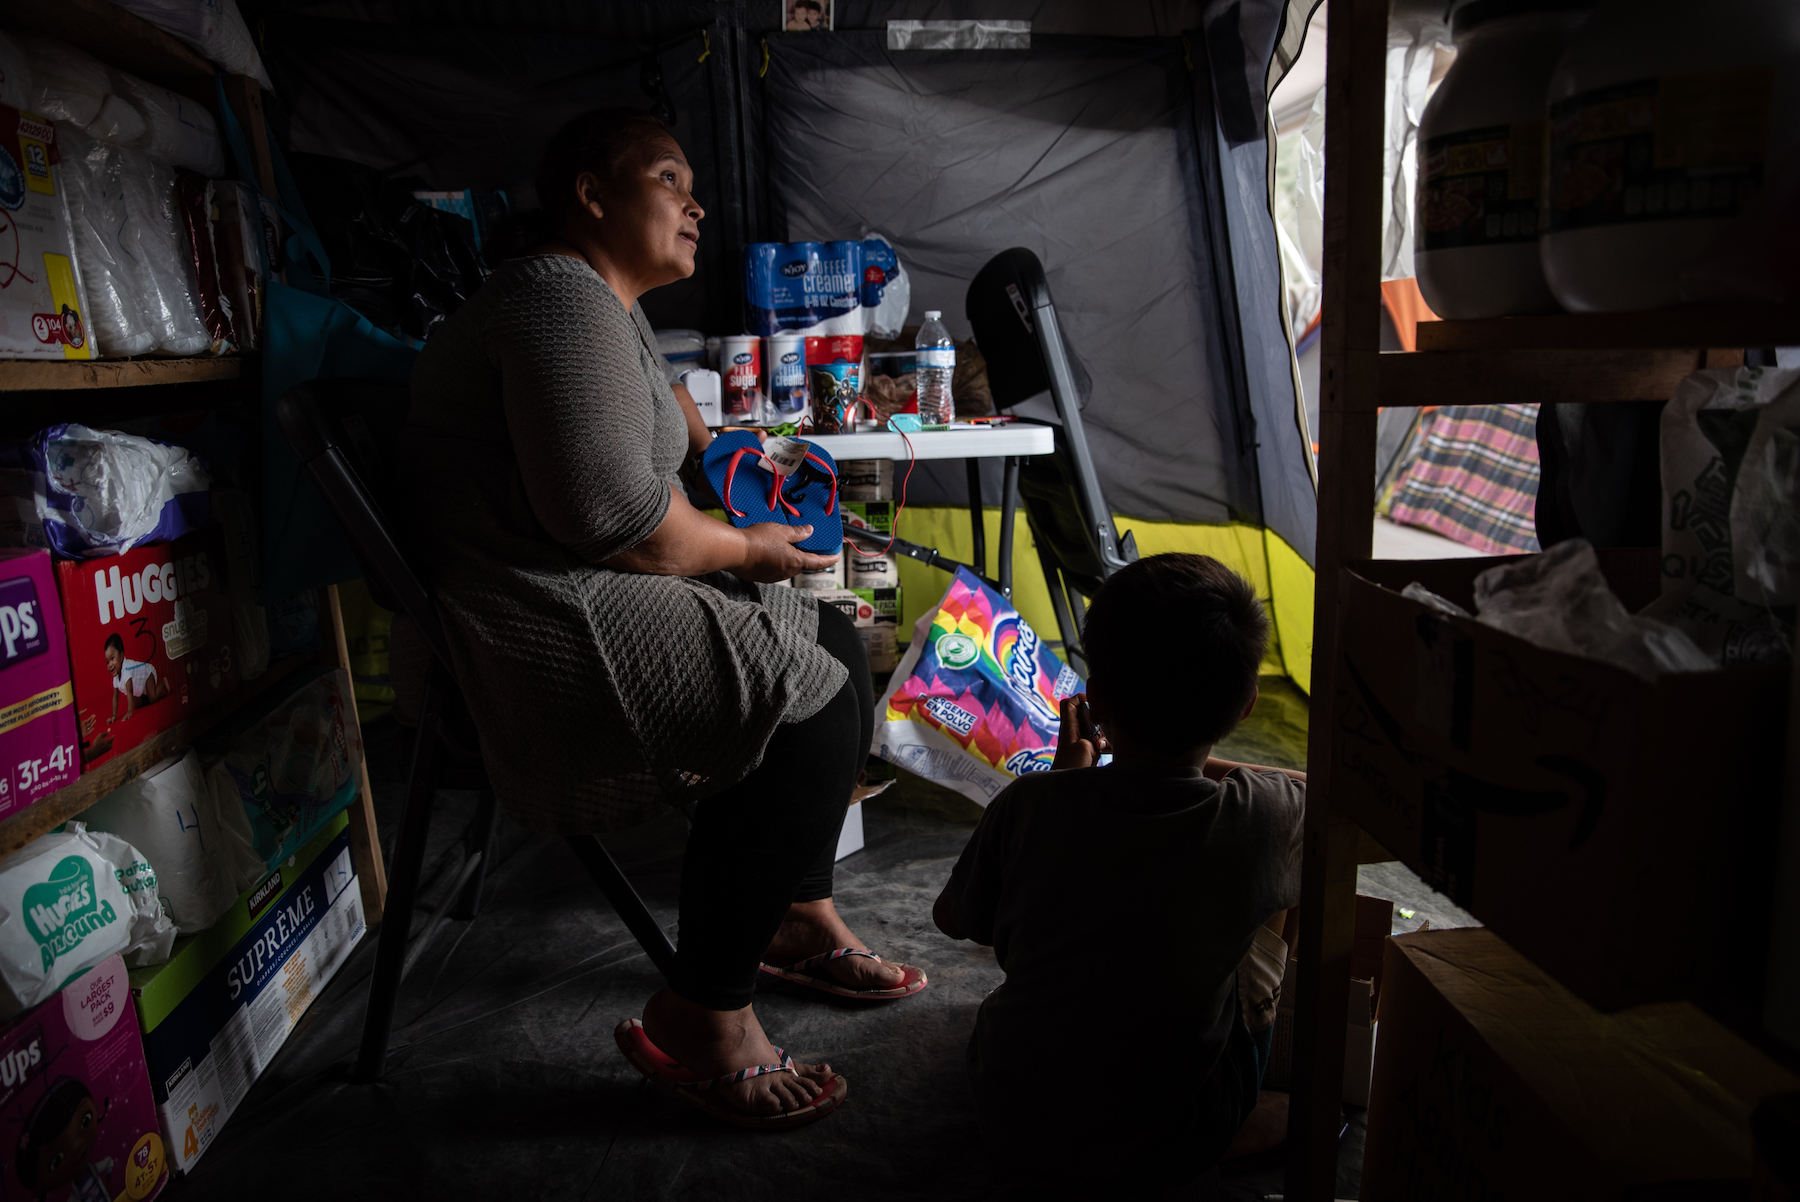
x=933, y=314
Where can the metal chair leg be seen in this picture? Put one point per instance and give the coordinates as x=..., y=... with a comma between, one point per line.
x=467, y=903
x=977, y=522
x=1009, y=507
x=403, y=885
x=625, y=900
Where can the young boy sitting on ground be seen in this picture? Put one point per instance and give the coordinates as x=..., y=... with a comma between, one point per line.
x=1121, y=900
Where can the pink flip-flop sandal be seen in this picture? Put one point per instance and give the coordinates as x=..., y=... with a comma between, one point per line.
x=696, y=1091
x=811, y=973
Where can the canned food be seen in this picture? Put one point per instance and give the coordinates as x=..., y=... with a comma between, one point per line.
x=740, y=362
x=785, y=358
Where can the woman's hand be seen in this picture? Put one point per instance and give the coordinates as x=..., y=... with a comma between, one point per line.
x=770, y=554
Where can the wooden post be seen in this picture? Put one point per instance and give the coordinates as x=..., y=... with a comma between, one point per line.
x=1356, y=39
x=365, y=840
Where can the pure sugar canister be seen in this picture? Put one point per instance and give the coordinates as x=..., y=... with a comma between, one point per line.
x=740, y=363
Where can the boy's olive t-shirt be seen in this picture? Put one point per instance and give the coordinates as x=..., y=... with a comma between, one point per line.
x=1119, y=903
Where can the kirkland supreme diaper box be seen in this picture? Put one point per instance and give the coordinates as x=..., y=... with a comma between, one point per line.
x=38, y=748
x=152, y=639
x=42, y=306
x=216, y=1014
x=79, y=1119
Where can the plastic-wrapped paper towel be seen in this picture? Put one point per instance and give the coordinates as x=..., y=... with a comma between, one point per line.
x=281, y=780
x=174, y=129
x=93, y=183
x=67, y=902
x=167, y=814
x=155, y=240
x=15, y=75
x=66, y=84
x=100, y=492
x=213, y=27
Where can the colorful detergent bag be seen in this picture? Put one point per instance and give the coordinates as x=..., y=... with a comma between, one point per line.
x=975, y=702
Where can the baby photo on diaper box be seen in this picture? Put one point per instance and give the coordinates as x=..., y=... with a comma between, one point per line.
x=77, y=1119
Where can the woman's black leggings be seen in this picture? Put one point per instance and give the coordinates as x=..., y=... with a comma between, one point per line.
x=771, y=839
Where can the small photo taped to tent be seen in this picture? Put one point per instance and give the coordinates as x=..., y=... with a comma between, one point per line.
x=799, y=16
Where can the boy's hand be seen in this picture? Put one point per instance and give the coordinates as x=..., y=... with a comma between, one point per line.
x=1079, y=743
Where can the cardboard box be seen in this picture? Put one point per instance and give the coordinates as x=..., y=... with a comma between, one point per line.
x=42, y=305
x=1615, y=831
x=868, y=515
x=864, y=606
x=1492, y=1081
x=214, y=1016
x=74, y=1089
x=165, y=613
x=39, y=751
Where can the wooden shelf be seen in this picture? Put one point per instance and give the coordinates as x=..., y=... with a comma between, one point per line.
x=1505, y=377
x=56, y=375
x=1696, y=326
x=49, y=813
x=112, y=35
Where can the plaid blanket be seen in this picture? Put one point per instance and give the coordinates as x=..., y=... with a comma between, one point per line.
x=1475, y=478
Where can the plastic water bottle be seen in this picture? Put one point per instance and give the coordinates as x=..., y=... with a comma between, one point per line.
x=936, y=364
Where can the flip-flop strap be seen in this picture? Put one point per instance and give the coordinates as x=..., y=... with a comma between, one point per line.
x=828, y=957
x=830, y=505
x=731, y=477
x=744, y=1074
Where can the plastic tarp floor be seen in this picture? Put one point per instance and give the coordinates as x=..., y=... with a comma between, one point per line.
x=503, y=1080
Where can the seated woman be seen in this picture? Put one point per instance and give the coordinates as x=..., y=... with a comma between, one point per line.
x=619, y=648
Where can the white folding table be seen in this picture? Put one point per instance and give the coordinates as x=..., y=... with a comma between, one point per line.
x=1011, y=442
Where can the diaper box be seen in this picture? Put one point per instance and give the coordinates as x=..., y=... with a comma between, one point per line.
x=218, y=1011
x=152, y=639
x=38, y=748
x=80, y=1119
x=42, y=306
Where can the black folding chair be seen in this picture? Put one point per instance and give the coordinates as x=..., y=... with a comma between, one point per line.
x=342, y=429
x=1014, y=321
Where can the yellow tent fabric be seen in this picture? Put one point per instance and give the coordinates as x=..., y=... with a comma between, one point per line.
x=1281, y=577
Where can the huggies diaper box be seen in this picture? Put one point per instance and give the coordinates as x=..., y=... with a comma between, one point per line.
x=214, y=1016
x=77, y=1123
x=151, y=637
x=37, y=702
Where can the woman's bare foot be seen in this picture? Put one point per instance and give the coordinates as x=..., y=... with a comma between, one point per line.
x=814, y=928
x=711, y=1043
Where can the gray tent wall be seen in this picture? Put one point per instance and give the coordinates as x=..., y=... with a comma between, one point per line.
x=1126, y=148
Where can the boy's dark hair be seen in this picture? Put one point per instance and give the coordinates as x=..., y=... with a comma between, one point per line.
x=596, y=141
x=1175, y=641
x=113, y=640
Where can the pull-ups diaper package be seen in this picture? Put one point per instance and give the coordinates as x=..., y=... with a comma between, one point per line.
x=74, y=1087
x=38, y=749
x=975, y=702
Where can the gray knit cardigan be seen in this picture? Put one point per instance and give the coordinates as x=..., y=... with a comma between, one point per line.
x=543, y=438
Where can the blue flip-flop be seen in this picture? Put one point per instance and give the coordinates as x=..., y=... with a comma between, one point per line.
x=752, y=496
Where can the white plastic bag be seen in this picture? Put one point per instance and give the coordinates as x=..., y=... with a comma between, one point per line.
x=888, y=317
x=1560, y=601
x=156, y=242
x=63, y=909
x=119, y=122
x=167, y=814
x=104, y=492
x=174, y=129
x=213, y=27
x=66, y=84
x=92, y=182
x=1416, y=31
x=252, y=621
x=152, y=935
x=15, y=74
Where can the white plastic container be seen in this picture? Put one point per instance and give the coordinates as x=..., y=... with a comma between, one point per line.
x=1481, y=154
x=867, y=479
x=1674, y=164
x=871, y=571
